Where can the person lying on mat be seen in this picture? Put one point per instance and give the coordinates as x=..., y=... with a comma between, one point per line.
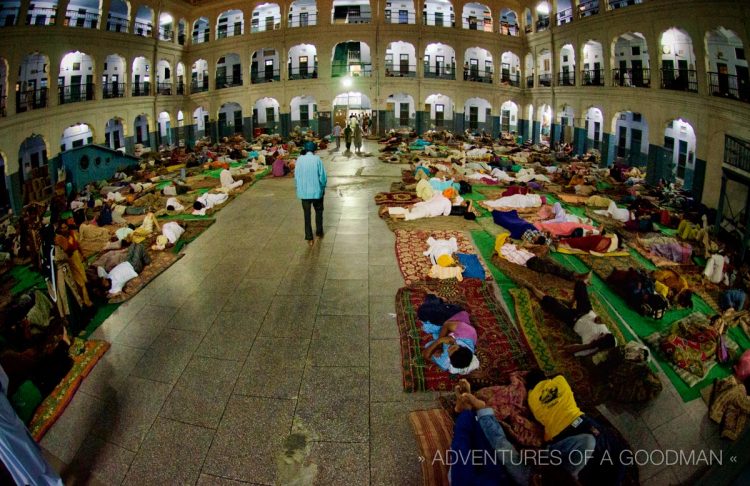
x=534, y=260
x=578, y=314
x=454, y=345
x=115, y=279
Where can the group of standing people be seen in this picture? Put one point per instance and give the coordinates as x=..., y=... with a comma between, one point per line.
x=353, y=132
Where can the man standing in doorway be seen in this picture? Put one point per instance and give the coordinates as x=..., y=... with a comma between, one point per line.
x=310, y=179
x=337, y=136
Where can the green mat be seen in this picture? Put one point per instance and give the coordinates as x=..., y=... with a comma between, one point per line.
x=477, y=196
x=103, y=311
x=645, y=326
x=486, y=244
x=26, y=279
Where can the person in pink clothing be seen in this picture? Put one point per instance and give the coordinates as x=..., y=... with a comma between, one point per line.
x=457, y=341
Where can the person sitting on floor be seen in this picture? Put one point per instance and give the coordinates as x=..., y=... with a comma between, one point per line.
x=579, y=314
x=227, y=181
x=456, y=339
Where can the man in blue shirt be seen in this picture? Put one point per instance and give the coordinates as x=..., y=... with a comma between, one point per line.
x=310, y=178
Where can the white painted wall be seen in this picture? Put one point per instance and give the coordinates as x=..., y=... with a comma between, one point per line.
x=308, y=50
x=198, y=119
x=164, y=123
x=681, y=130
x=33, y=68
x=115, y=125
x=28, y=148
x=680, y=47
x=200, y=28
x=482, y=55
x=480, y=12
x=119, y=12
x=624, y=51
x=397, y=6
x=398, y=48
x=512, y=108
x=39, y=15
x=141, y=123
x=163, y=72
x=303, y=6
x=438, y=49
x=141, y=67
x=567, y=52
x=229, y=61
x=74, y=134
x=229, y=19
x=114, y=65
x=399, y=99
x=544, y=62
x=354, y=100
x=431, y=7
x=261, y=106
x=438, y=99
x=229, y=110
x=513, y=60
x=594, y=115
x=201, y=68
x=75, y=64
x=592, y=53
x=529, y=64
x=260, y=56
x=263, y=11
x=722, y=45
x=482, y=106
x=630, y=124
x=298, y=101
x=568, y=114
x=145, y=16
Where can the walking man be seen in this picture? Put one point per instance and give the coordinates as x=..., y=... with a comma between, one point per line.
x=337, y=136
x=310, y=179
x=348, y=137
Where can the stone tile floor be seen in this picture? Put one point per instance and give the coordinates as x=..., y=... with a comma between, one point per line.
x=256, y=359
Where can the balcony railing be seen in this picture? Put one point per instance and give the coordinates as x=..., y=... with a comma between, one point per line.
x=201, y=37
x=258, y=77
x=8, y=16
x=475, y=23
x=76, y=93
x=228, y=81
x=445, y=72
x=87, y=20
x=593, y=77
x=400, y=71
x=638, y=78
x=355, y=69
x=166, y=34
x=512, y=79
x=142, y=28
x=116, y=24
x=729, y=86
x=180, y=88
x=438, y=20
x=477, y=76
x=737, y=152
x=263, y=27
x=181, y=39
x=564, y=16
x=530, y=81
x=141, y=89
x=566, y=79
x=40, y=16
x=587, y=8
x=113, y=90
x=509, y=29
x=352, y=18
x=3, y=106
x=199, y=86
x=545, y=79
x=304, y=73
x=542, y=24
x=31, y=100
x=615, y=4
x=679, y=80
x=302, y=20
x=392, y=17
x=164, y=88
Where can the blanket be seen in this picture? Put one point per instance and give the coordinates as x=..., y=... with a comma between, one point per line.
x=399, y=198
x=500, y=348
x=410, y=246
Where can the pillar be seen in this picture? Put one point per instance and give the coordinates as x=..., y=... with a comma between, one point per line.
x=720, y=208
x=579, y=140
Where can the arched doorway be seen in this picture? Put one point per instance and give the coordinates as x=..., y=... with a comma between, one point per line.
x=631, y=135
x=266, y=116
x=441, y=111
x=400, y=112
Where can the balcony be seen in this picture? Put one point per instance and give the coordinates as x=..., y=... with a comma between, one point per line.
x=400, y=71
x=8, y=16
x=443, y=72
x=181, y=39
x=679, y=80
x=142, y=28
x=737, y=153
x=637, y=78
x=268, y=26
x=542, y=24
x=530, y=81
x=587, y=9
x=78, y=18
x=302, y=19
x=509, y=29
x=398, y=18
x=303, y=73
x=267, y=76
x=564, y=16
x=615, y=4
x=729, y=86
x=511, y=79
x=115, y=24
x=438, y=20
x=201, y=37
x=164, y=89
x=545, y=80
x=351, y=68
x=41, y=15
x=228, y=81
x=141, y=89
x=31, y=100
x=566, y=78
x=477, y=24
x=113, y=90
x=180, y=88
x=593, y=77
x=477, y=76
x=199, y=86
x=76, y=93
x=166, y=34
